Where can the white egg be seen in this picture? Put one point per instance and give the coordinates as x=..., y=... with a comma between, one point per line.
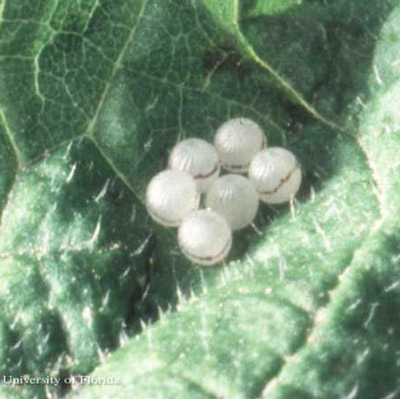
x=237, y=141
x=171, y=195
x=198, y=158
x=276, y=175
x=235, y=198
x=205, y=237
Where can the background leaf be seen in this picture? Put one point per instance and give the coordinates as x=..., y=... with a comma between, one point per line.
x=93, y=95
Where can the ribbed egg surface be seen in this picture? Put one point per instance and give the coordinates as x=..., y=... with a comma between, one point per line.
x=235, y=198
x=198, y=158
x=237, y=141
x=171, y=195
x=205, y=237
x=276, y=175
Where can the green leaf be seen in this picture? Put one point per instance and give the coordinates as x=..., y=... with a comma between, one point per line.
x=93, y=94
x=228, y=15
x=271, y=7
x=234, y=338
x=87, y=115
x=63, y=257
x=8, y=392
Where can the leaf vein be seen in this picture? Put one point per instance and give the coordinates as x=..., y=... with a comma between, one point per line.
x=117, y=66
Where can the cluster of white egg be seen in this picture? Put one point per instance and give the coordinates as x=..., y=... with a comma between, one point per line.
x=231, y=201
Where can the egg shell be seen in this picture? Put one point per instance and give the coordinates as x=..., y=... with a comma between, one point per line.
x=235, y=198
x=204, y=237
x=276, y=175
x=237, y=141
x=197, y=157
x=171, y=195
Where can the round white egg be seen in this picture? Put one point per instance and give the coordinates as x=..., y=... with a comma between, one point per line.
x=171, y=195
x=205, y=237
x=235, y=198
x=198, y=158
x=276, y=175
x=237, y=141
